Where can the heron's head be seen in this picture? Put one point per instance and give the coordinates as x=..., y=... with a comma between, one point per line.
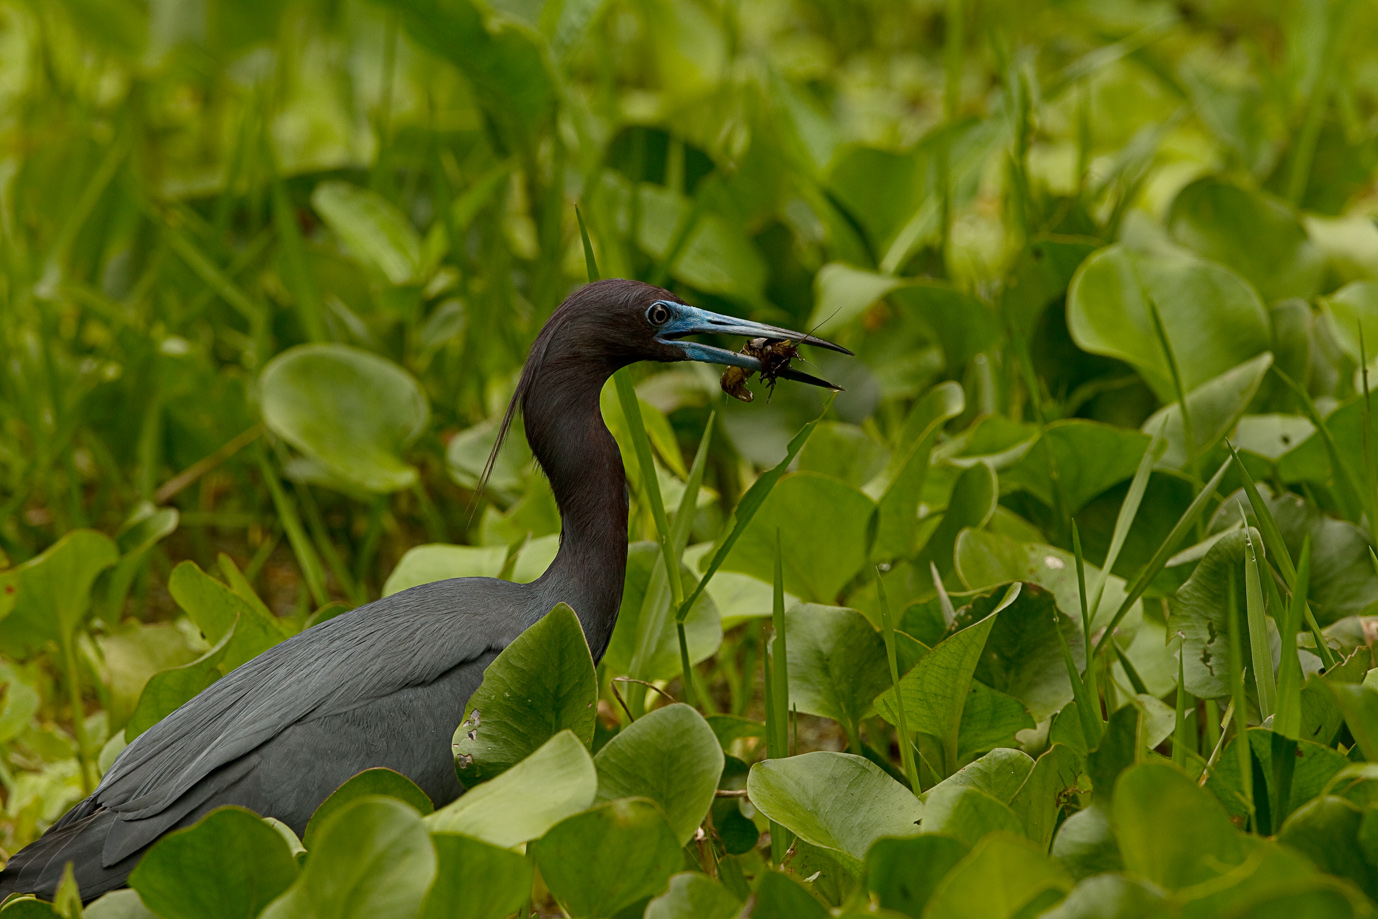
x=620, y=322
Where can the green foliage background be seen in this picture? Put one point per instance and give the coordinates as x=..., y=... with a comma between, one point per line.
x=268, y=272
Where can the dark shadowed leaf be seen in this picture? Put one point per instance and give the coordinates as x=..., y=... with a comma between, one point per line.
x=383, y=782
x=694, y=896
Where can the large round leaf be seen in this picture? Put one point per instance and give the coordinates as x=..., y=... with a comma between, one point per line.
x=229, y=865
x=373, y=858
x=475, y=880
x=1171, y=831
x=541, y=684
x=1249, y=232
x=354, y=412
x=837, y=663
x=823, y=527
x=439, y=561
x=600, y=861
x=1212, y=318
x=645, y=642
x=694, y=896
x=670, y=756
x=526, y=800
x=1003, y=876
x=834, y=800
x=47, y=597
x=370, y=782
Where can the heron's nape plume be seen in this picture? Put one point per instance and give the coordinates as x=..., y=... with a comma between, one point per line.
x=385, y=685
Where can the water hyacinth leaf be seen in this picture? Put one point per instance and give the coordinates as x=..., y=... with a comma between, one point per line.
x=1343, y=581
x=1112, y=896
x=967, y=814
x=843, y=292
x=694, y=896
x=845, y=452
x=903, y=873
x=837, y=663
x=541, y=684
x=1214, y=407
x=990, y=719
x=834, y=800
x=1359, y=705
x=1089, y=458
x=1200, y=612
x=1327, y=830
x=637, y=853
x=216, y=610
x=1313, y=767
x=936, y=689
x=780, y=896
x=1039, y=801
x=999, y=773
x=350, y=410
x=972, y=504
x=1085, y=843
x=899, y=488
x=1169, y=830
x=117, y=904
x=373, y=857
x=1251, y=233
x=370, y=782
x=521, y=804
x=670, y=756
x=228, y=865
x=1040, y=277
x=1002, y=876
x=800, y=507
x=439, y=561
x=374, y=231
x=1213, y=318
x=645, y=641
x=475, y=880
x=717, y=257
x=167, y=689
x=1353, y=310
x=1022, y=658
x=51, y=593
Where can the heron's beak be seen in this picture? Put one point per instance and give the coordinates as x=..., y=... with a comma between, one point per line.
x=690, y=320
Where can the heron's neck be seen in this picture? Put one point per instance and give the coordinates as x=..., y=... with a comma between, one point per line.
x=569, y=439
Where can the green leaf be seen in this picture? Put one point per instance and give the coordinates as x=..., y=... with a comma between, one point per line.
x=1200, y=611
x=989, y=719
x=349, y=410
x=694, y=896
x=541, y=684
x=903, y=873
x=936, y=689
x=834, y=800
x=670, y=756
x=972, y=504
x=1085, y=843
x=476, y=880
x=1214, y=407
x=1003, y=875
x=802, y=506
x=837, y=663
x=1326, y=829
x=370, y=782
x=374, y=231
x=228, y=865
x=1213, y=319
x=602, y=860
x=439, y=561
x=1359, y=705
x=1352, y=310
x=1251, y=233
x=899, y=488
x=166, y=690
x=1112, y=896
x=555, y=781
x=780, y=896
x=217, y=610
x=1022, y=657
x=1313, y=767
x=1039, y=801
x=1089, y=458
x=117, y=904
x=1170, y=831
x=373, y=857
x=967, y=813
x=51, y=593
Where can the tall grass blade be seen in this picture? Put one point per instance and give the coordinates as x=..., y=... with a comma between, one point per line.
x=590, y=263
x=1258, y=631
x=1344, y=476
x=1287, y=718
x=1277, y=549
x=906, y=740
x=310, y=563
x=1159, y=559
x=777, y=677
x=1179, y=726
x=1237, y=677
x=1091, y=723
x=1129, y=509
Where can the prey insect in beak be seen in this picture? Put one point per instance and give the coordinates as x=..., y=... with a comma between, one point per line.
x=689, y=320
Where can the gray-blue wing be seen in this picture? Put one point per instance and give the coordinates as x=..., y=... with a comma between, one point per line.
x=366, y=688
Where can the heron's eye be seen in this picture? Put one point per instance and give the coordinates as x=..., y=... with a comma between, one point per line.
x=658, y=314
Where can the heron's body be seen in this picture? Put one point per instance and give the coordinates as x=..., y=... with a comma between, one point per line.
x=384, y=684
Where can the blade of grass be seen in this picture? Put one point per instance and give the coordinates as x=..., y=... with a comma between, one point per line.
x=1161, y=331
x=1276, y=548
x=1287, y=719
x=590, y=263
x=1159, y=559
x=1090, y=719
x=1366, y=422
x=1092, y=725
x=906, y=740
x=1179, y=727
x=1129, y=509
x=1258, y=631
x=777, y=705
x=749, y=504
x=1237, y=677
x=307, y=559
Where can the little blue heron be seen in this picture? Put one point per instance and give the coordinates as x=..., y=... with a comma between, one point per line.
x=386, y=684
